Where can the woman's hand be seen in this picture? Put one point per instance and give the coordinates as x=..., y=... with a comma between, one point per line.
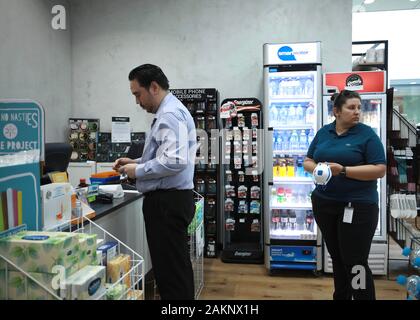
x=335, y=168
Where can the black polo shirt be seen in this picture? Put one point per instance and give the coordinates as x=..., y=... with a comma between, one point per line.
x=360, y=145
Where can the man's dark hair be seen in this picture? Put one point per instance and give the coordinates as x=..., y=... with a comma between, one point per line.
x=341, y=98
x=147, y=73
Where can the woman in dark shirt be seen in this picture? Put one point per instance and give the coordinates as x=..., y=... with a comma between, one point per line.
x=346, y=209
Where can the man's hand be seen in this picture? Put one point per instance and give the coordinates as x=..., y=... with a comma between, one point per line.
x=335, y=168
x=129, y=169
x=122, y=162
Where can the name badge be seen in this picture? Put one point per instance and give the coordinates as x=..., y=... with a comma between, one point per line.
x=348, y=214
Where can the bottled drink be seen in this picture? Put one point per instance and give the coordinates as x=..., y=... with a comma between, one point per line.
x=300, y=172
x=82, y=183
x=291, y=116
x=299, y=114
x=284, y=219
x=309, y=221
x=78, y=211
x=285, y=140
x=273, y=114
x=288, y=193
x=310, y=114
x=300, y=220
x=309, y=88
x=275, y=168
x=412, y=284
x=274, y=87
x=280, y=195
x=294, y=141
x=276, y=145
x=282, y=168
x=290, y=167
x=303, y=140
x=311, y=136
x=292, y=219
x=275, y=218
x=282, y=116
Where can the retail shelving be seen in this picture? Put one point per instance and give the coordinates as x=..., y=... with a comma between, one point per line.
x=29, y=286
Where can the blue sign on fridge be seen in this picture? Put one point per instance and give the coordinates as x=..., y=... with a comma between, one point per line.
x=21, y=126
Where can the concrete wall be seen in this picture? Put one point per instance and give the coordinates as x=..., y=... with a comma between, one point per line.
x=35, y=61
x=198, y=43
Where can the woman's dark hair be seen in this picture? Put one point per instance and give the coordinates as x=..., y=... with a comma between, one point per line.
x=147, y=73
x=341, y=98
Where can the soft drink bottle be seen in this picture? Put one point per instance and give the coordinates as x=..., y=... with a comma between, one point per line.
x=412, y=284
x=273, y=114
x=291, y=116
x=275, y=168
x=309, y=88
x=310, y=114
x=311, y=136
x=309, y=221
x=292, y=219
x=284, y=219
x=282, y=168
x=299, y=114
x=285, y=140
x=300, y=171
x=303, y=140
x=290, y=167
x=276, y=140
x=283, y=114
x=294, y=141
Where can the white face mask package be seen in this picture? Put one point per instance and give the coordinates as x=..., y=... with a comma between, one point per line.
x=394, y=205
x=412, y=204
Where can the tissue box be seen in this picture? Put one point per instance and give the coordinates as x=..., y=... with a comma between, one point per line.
x=86, y=284
x=40, y=251
x=107, y=252
x=118, y=292
x=135, y=295
x=33, y=291
x=56, y=204
x=87, y=250
x=117, y=268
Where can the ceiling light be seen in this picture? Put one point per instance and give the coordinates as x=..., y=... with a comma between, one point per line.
x=413, y=82
x=413, y=0
x=368, y=1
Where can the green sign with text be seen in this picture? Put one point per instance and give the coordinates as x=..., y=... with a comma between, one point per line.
x=22, y=126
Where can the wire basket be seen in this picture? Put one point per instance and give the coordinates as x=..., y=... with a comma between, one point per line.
x=17, y=283
x=196, y=244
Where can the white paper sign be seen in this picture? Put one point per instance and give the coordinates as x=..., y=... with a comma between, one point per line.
x=121, y=129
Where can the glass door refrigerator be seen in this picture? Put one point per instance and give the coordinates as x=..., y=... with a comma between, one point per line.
x=371, y=85
x=292, y=90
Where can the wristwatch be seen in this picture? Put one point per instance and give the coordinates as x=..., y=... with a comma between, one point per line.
x=343, y=172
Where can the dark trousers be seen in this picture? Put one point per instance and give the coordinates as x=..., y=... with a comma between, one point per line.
x=348, y=245
x=167, y=215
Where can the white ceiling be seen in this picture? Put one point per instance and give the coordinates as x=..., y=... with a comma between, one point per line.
x=385, y=5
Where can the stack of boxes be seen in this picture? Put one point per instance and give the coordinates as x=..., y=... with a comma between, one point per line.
x=38, y=254
x=85, y=267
